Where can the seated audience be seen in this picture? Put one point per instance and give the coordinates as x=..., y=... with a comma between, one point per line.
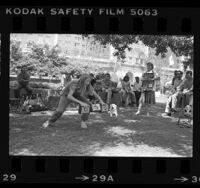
x=177, y=79
x=184, y=88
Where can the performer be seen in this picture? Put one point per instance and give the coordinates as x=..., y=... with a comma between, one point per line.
x=148, y=89
x=75, y=91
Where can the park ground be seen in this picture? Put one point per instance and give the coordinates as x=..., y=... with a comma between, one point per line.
x=126, y=135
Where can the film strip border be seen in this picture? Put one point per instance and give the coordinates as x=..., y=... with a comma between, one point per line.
x=165, y=21
x=122, y=170
x=101, y=170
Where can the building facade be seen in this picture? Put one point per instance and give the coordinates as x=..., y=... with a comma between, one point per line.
x=86, y=49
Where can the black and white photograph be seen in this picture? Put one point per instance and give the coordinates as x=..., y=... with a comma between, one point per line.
x=101, y=95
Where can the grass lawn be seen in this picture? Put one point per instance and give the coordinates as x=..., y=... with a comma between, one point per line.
x=126, y=135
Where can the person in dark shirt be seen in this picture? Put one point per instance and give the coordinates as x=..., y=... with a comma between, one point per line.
x=107, y=86
x=23, y=80
x=93, y=80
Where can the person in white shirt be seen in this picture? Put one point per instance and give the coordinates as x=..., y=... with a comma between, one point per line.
x=148, y=89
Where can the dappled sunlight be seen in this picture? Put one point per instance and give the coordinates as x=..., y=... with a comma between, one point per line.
x=188, y=148
x=45, y=113
x=120, y=131
x=96, y=121
x=131, y=121
x=14, y=115
x=141, y=150
x=16, y=130
x=126, y=135
x=24, y=151
x=98, y=116
x=70, y=112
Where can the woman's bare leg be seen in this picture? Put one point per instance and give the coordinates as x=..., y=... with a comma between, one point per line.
x=141, y=101
x=84, y=116
x=63, y=103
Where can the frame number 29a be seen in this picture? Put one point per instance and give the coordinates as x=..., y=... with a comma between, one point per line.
x=102, y=178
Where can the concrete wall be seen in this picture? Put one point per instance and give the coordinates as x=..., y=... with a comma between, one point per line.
x=36, y=79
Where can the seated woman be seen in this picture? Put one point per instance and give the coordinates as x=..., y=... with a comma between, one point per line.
x=75, y=91
x=184, y=88
x=127, y=94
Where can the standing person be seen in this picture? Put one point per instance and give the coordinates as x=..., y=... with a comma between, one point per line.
x=74, y=91
x=23, y=80
x=148, y=89
x=137, y=88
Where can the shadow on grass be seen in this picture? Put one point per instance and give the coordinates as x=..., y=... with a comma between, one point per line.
x=127, y=135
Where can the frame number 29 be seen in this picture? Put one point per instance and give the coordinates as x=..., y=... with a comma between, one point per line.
x=8, y=177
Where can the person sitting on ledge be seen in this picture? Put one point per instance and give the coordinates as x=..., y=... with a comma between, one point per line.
x=107, y=87
x=23, y=80
x=184, y=88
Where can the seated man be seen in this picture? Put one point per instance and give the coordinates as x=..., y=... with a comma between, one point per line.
x=177, y=79
x=23, y=79
x=184, y=88
x=108, y=87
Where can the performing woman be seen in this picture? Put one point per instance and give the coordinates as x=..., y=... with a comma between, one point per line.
x=148, y=89
x=75, y=91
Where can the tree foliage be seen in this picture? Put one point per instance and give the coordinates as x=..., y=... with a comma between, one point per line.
x=42, y=59
x=180, y=45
